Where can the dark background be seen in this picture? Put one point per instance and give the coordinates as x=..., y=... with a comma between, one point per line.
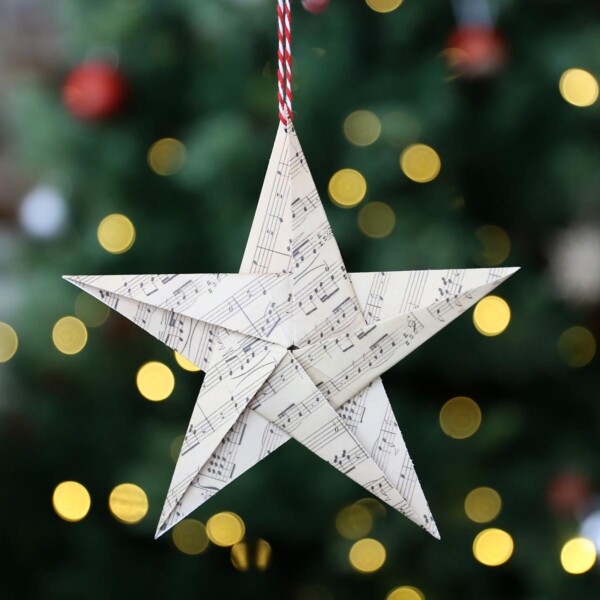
x=511, y=147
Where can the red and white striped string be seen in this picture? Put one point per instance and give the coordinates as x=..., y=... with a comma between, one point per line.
x=284, y=61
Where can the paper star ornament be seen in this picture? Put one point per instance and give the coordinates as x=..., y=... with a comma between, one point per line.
x=294, y=346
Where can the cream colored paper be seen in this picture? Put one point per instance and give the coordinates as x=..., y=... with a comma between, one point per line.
x=293, y=347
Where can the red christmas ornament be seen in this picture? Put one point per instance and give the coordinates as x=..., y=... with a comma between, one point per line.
x=476, y=51
x=93, y=91
x=315, y=6
x=569, y=493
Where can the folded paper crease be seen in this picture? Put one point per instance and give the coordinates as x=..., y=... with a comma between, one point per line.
x=294, y=346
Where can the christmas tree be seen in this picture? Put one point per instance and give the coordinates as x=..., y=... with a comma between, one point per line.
x=439, y=134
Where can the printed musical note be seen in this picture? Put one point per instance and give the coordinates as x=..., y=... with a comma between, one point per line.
x=293, y=347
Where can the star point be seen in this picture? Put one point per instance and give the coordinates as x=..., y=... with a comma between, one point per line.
x=293, y=346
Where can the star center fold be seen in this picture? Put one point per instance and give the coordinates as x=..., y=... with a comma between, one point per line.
x=293, y=347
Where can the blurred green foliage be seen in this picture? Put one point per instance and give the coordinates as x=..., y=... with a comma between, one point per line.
x=203, y=72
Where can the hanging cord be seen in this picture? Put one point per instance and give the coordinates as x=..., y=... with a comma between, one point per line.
x=284, y=61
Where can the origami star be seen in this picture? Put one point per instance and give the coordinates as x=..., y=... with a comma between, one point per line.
x=294, y=346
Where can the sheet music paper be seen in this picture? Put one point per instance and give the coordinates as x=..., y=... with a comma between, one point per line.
x=294, y=346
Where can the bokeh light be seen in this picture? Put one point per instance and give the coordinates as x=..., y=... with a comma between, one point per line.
x=578, y=87
x=420, y=163
x=577, y=347
x=186, y=364
x=43, y=212
x=491, y=316
x=406, y=592
x=166, y=156
x=354, y=522
x=189, y=537
x=495, y=245
x=9, y=342
x=315, y=7
x=367, y=555
x=128, y=503
x=347, y=188
x=590, y=529
x=376, y=508
x=384, y=6
x=573, y=265
x=92, y=312
x=578, y=555
x=457, y=60
x=69, y=335
x=376, y=220
x=251, y=554
x=225, y=529
x=155, y=381
x=400, y=128
x=116, y=234
x=493, y=547
x=460, y=417
x=570, y=492
x=483, y=504
x=362, y=128
x=71, y=501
